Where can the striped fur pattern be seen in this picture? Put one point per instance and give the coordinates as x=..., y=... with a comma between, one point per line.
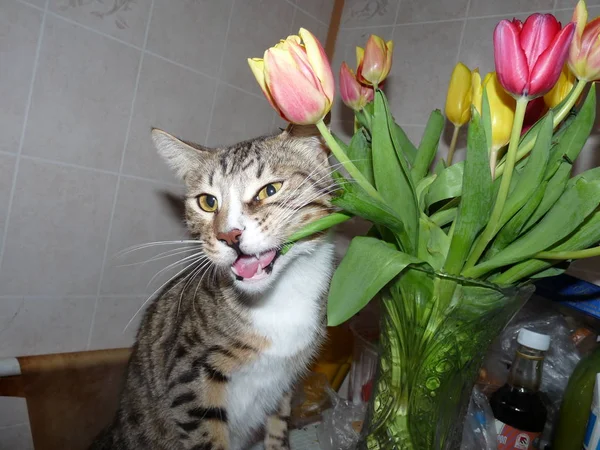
x=217, y=354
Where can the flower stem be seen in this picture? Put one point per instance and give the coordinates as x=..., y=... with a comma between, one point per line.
x=511, y=158
x=453, y=144
x=345, y=161
x=574, y=254
x=558, y=118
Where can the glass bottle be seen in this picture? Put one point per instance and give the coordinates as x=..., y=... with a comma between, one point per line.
x=518, y=407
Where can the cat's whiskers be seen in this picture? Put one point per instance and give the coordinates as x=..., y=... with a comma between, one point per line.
x=163, y=255
x=192, y=276
x=300, y=202
x=198, y=261
x=135, y=248
x=200, y=255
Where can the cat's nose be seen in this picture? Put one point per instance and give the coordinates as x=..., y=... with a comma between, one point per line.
x=231, y=237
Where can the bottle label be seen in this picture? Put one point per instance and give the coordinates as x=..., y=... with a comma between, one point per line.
x=509, y=438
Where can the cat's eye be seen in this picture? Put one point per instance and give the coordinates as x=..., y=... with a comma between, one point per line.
x=208, y=202
x=268, y=191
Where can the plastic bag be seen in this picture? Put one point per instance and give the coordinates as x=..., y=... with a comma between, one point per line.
x=341, y=425
x=479, y=431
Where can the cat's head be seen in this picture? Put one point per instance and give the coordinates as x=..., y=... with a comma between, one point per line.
x=244, y=201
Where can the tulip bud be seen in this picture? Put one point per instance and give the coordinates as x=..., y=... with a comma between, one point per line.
x=296, y=78
x=375, y=61
x=584, y=53
x=530, y=56
x=458, y=99
x=354, y=94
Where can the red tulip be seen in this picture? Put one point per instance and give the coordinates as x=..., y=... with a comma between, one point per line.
x=529, y=57
x=354, y=94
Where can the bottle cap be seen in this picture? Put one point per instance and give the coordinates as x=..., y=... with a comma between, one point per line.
x=534, y=340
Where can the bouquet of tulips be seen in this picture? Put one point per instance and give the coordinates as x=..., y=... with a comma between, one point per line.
x=452, y=249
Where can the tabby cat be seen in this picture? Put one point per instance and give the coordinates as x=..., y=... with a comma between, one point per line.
x=217, y=355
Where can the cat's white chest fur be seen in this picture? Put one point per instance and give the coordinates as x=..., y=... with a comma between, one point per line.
x=290, y=318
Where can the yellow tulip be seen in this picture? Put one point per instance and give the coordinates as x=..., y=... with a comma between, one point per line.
x=561, y=89
x=458, y=100
x=502, y=108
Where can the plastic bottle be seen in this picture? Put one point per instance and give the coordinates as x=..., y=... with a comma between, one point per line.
x=575, y=408
x=518, y=407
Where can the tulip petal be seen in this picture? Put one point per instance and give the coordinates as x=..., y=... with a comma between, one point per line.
x=374, y=60
x=547, y=69
x=502, y=110
x=257, y=65
x=360, y=55
x=319, y=62
x=388, y=60
x=350, y=89
x=299, y=100
x=510, y=60
x=580, y=17
x=458, y=99
x=589, y=39
x=538, y=33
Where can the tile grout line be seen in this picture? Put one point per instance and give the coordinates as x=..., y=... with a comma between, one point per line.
x=219, y=70
x=144, y=49
x=13, y=187
x=429, y=22
x=462, y=32
x=41, y=159
x=39, y=8
x=397, y=12
x=116, y=195
x=307, y=13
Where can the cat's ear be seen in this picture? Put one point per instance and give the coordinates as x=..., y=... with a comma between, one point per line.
x=308, y=132
x=181, y=156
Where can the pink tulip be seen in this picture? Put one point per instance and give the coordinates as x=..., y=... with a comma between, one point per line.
x=354, y=94
x=296, y=78
x=529, y=57
x=584, y=55
x=375, y=61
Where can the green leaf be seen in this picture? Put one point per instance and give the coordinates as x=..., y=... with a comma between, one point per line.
x=433, y=244
x=476, y=200
x=532, y=174
x=359, y=152
x=357, y=202
x=368, y=266
x=405, y=148
x=486, y=118
x=422, y=189
x=554, y=190
x=586, y=235
x=572, y=141
x=571, y=209
x=447, y=185
x=514, y=227
x=392, y=178
x=428, y=146
x=439, y=166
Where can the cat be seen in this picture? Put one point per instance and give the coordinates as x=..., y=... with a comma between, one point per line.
x=218, y=353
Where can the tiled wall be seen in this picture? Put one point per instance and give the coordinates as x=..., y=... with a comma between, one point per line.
x=430, y=37
x=81, y=83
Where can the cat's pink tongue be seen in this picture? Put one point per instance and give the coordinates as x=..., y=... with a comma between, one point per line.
x=247, y=266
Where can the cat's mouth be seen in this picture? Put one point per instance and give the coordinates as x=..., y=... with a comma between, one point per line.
x=254, y=267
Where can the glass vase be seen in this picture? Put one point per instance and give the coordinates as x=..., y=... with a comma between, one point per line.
x=435, y=332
